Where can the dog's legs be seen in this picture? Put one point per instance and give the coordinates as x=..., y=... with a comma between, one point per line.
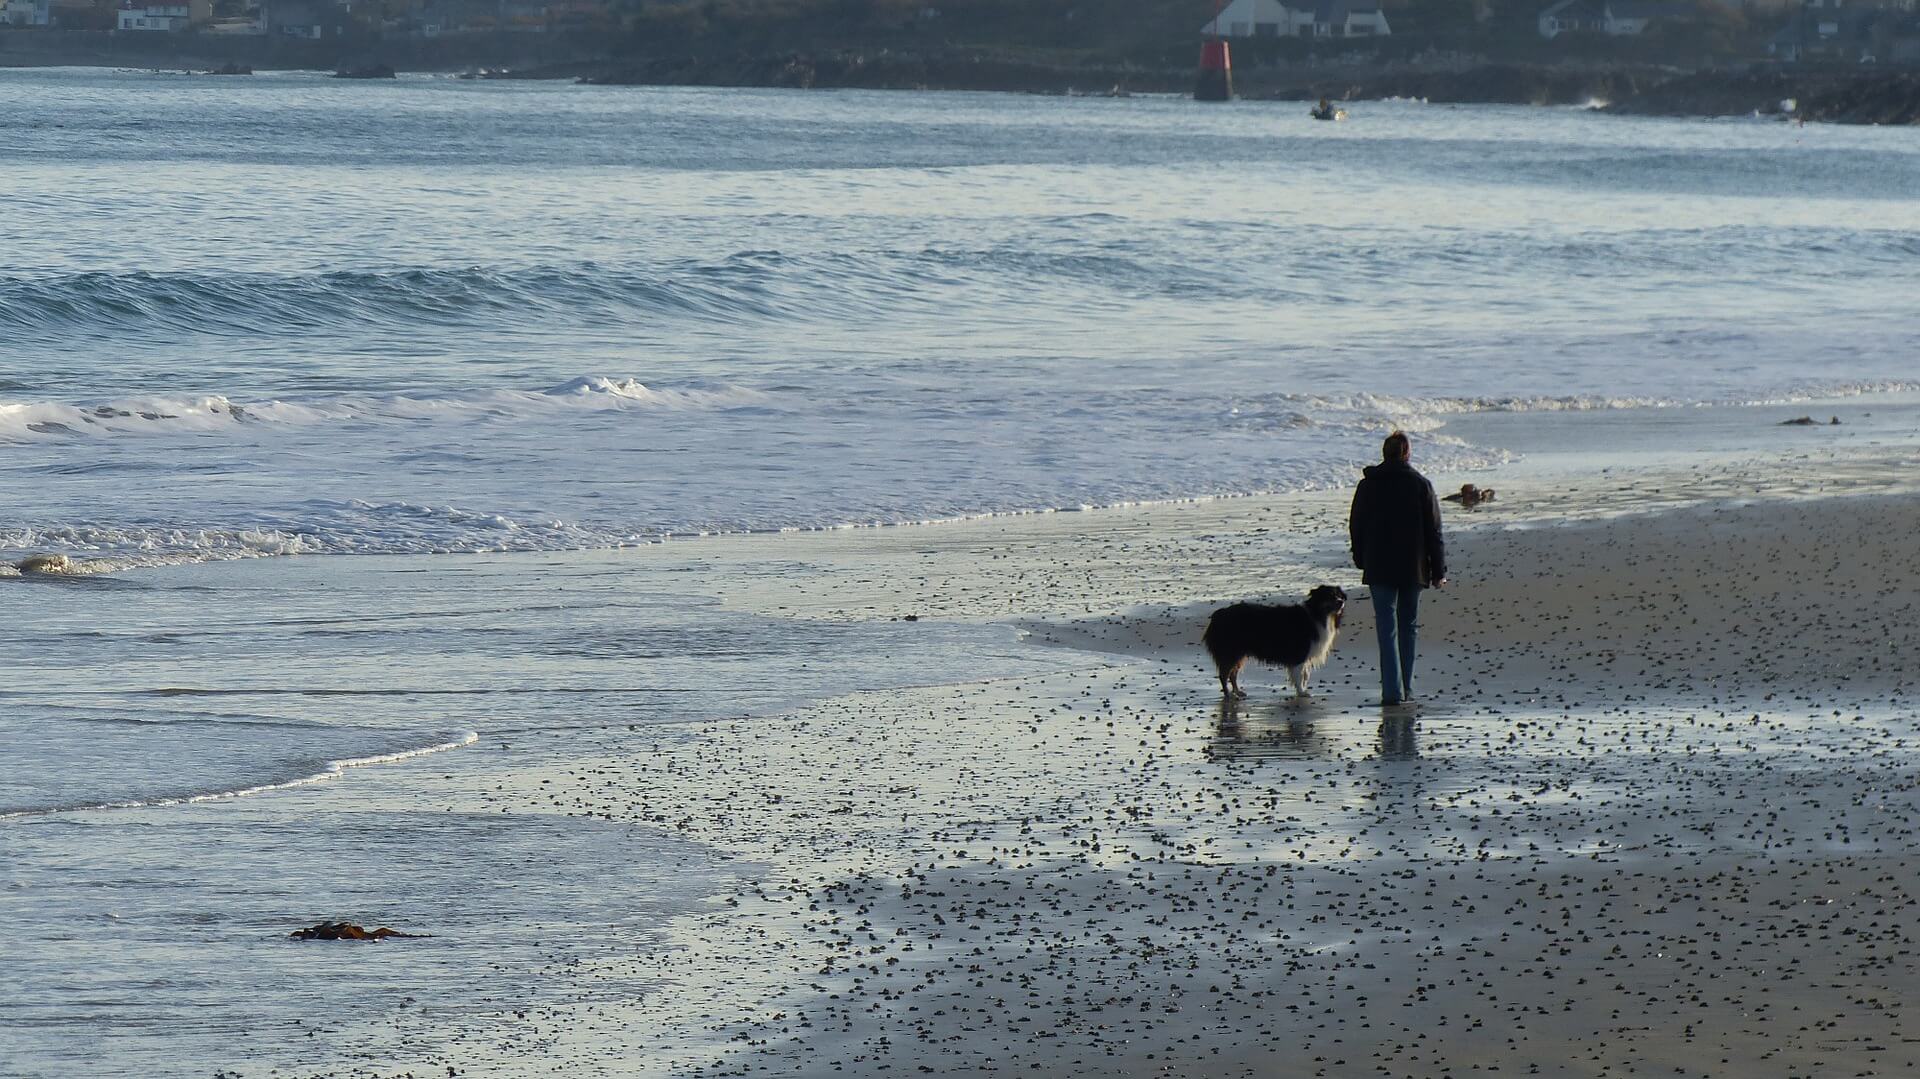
x=1298, y=676
x=1234, y=674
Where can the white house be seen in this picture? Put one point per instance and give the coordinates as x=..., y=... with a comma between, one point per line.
x=164, y=15
x=1312, y=18
x=1255, y=18
x=26, y=12
x=1349, y=18
x=1618, y=18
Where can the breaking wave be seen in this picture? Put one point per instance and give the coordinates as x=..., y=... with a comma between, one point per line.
x=321, y=773
x=30, y=420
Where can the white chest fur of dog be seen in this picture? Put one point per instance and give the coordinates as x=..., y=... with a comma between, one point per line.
x=1322, y=647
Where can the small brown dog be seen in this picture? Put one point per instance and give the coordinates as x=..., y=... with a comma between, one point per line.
x=1470, y=496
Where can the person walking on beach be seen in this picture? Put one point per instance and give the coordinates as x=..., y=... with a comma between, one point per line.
x=1395, y=532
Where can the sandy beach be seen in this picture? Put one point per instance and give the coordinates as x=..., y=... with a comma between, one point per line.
x=1654, y=811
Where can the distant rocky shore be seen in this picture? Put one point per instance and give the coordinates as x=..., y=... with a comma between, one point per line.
x=1850, y=95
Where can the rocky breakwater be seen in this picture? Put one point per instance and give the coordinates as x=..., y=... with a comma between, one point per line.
x=883, y=69
x=1843, y=97
x=1490, y=84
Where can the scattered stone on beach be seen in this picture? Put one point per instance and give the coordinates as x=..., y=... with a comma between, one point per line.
x=1470, y=496
x=1809, y=421
x=347, y=931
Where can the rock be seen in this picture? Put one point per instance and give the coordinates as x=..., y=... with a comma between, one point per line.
x=1809, y=421
x=366, y=71
x=1866, y=96
x=347, y=931
x=45, y=563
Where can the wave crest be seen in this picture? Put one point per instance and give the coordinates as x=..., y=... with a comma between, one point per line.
x=33, y=420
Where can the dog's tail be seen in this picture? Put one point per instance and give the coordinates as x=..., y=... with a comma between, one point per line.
x=1213, y=638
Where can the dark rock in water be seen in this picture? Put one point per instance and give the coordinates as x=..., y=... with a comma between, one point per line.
x=1818, y=94
x=229, y=68
x=45, y=563
x=1809, y=421
x=365, y=71
x=1505, y=84
x=347, y=931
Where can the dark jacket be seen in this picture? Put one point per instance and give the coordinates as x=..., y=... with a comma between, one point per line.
x=1395, y=528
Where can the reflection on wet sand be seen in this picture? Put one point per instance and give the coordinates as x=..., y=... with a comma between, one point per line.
x=1277, y=728
x=1396, y=739
x=1292, y=729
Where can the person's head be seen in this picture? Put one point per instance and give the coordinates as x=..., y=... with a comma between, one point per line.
x=1397, y=448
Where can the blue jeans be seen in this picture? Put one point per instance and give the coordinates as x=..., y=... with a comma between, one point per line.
x=1394, y=612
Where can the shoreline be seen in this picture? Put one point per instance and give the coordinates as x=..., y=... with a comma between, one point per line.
x=1122, y=794
x=1093, y=845
x=1526, y=440
x=1611, y=804
x=1809, y=94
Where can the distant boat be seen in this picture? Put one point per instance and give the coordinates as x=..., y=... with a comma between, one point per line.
x=365, y=71
x=1325, y=111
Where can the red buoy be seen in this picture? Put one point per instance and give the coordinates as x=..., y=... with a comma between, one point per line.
x=1216, y=72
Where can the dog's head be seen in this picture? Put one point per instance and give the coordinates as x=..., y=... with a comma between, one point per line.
x=1327, y=600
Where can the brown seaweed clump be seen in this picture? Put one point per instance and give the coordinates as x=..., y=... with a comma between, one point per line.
x=346, y=931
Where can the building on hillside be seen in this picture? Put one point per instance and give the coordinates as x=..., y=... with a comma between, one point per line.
x=85, y=14
x=1900, y=41
x=309, y=20
x=1572, y=17
x=1311, y=18
x=1255, y=18
x=1827, y=31
x=582, y=15
x=1616, y=18
x=168, y=16
x=437, y=17
x=1629, y=17
x=524, y=16
x=1349, y=18
x=26, y=13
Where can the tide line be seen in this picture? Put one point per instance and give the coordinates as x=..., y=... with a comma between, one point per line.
x=333, y=770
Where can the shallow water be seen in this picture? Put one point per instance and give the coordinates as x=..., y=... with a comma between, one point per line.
x=281, y=742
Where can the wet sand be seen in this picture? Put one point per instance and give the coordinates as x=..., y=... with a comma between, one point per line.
x=1655, y=812
x=1656, y=809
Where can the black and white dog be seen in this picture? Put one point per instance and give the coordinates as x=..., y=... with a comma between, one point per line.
x=1296, y=636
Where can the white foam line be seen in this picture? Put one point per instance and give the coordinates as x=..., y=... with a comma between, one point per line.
x=333, y=770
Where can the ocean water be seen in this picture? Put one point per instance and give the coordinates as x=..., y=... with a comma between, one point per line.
x=288, y=314
x=306, y=374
